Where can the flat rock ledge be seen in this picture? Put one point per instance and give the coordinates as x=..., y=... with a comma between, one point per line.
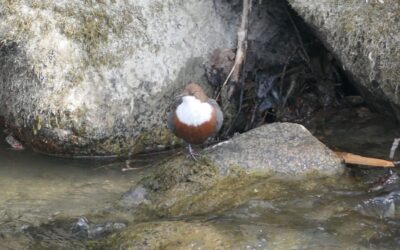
x=284, y=149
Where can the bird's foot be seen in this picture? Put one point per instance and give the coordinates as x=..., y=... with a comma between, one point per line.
x=192, y=153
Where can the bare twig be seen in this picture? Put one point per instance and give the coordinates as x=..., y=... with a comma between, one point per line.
x=128, y=166
x=242, y=82
x=234, y=74
x=394, y=147
x=300, y=40
x=293, y=83
x=253, y=117
x=226, y=81
x=242, y=39
x=292, y=86
x=283, y=74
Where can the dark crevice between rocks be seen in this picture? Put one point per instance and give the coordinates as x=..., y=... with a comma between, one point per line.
x=310, y=81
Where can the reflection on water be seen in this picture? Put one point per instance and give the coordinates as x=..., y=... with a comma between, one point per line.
x=352, y=214
x=33, y=185
x=358, y=131
x=37, y=187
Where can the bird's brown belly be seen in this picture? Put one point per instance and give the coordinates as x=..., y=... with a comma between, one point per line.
x=195, y=134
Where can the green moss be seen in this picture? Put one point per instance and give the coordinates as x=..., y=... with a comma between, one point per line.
x=92, y=24
x=167, y=235
x=93, y=29
x=121, y=146
x=183, y=187
x=226, y=193
x=180, y=170
x=37, y=125
x=54, y=120
x=124, y=146
x=154, y=137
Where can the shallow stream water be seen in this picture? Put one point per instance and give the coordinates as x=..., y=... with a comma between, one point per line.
x=361, y=211
x=36, y=189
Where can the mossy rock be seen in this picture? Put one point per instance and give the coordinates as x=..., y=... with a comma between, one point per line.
x=96, y=78
x=167, y=235
x=264, y=163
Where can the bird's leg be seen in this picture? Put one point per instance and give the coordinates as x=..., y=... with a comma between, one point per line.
x=192, y=153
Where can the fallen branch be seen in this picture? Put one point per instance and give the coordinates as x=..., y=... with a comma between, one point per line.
x=349, y=158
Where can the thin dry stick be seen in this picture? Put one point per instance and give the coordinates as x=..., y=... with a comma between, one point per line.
x=242, y=40
x=293, y=83
x=226, y=81
x=349, y=158
x=241, y=96
x=285, y=68
x=241, y=47
x=394, y=147
x=300, y=40
x=129, y=168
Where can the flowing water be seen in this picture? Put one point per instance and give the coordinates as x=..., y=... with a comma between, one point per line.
x=359, y=212
x=37, y=189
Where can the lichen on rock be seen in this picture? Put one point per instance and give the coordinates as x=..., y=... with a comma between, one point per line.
x=96, y=77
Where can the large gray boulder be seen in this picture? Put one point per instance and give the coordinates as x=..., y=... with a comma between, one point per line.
x=283, y=149
x=365, y=37
x=96, y=77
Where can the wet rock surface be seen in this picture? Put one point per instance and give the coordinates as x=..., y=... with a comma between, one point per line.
x=170, y=235
x=325, y=215
x=365, y=37
x=261, y=163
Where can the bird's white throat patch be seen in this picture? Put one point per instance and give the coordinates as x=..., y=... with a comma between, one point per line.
x=193, y=112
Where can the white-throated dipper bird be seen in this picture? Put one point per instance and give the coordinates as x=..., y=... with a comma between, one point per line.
x=195, y=117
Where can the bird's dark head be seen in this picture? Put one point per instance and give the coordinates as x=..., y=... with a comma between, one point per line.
x=192, y=89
